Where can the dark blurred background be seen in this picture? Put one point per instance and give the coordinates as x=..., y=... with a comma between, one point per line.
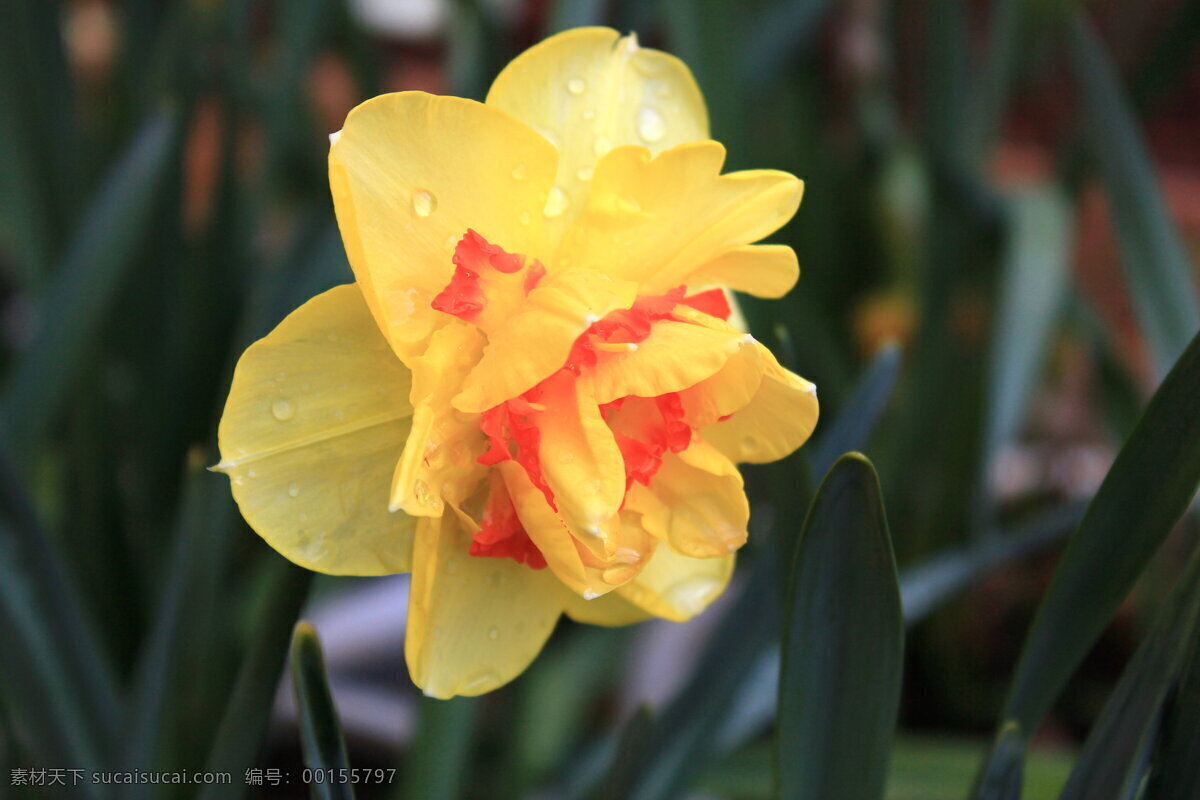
x=1002, y=215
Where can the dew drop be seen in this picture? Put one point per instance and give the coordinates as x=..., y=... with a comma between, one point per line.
x=590, y=487
x=423, y=202
x=662, y=88
x=519, y=172
x=556, y=202
x=601, y=146
x=566, y=457
x=525, y=217
x=494, y=634
x=589, y=113
x=585, y=173
x=650, y=124
x=282, y=409
x=293, y=489
x=576, y=86
x=749, y=445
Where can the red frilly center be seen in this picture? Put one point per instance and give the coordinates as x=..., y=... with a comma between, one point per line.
x=490, y=282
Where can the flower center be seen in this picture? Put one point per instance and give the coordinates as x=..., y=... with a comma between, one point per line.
x=489, y=285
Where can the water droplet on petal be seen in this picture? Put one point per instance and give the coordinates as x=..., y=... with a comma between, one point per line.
x=556, y=202
x=423, y=495
x=589, y=113
x=423, y=202
x=525, y=217
x=519, y=172
x=576, y=86
x=585, y=173
x=662, y=88
x=590, y=487
x=650, y=124
x=293, y=489
x=494, y=634
x=601, y=146
x=282, y=409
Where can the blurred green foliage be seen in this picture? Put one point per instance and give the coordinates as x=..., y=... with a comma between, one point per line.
x=161, y=209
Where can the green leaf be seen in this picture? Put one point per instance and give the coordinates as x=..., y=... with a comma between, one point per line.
x=567, y=14
x=1176, y=772
x=99, y=256
x=1157, y=267
x=438, y=764
x=1112, y=763
x=776, y=37
x=1033, y=284
x=320, y=728
x=1145, y=492
x=57, y=683
x=843, y=644
x=244, y=720
x=38, y=156
x=851, y=429
x=681, y=739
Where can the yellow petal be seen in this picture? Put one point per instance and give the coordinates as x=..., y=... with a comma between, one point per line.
x=536, y=342
x=673, y=357
x=551, y=534
x=658, y=221
x=316, y=418
x=588, y=91
x=410, y=173
x=474, y=623
x=579, y=456
x=763, y=270
x=677, y=587
x=611, y=609
x=695, y=502
x=779, y=419
x=439, y=459
x=728, y=390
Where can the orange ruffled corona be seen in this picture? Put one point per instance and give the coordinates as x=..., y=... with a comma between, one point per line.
x=532, y=397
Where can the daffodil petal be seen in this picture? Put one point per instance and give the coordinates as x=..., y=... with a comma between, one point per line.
x=611, y=609
x=726, y=391
x=778, y=420
x=316, y=418
x=695, y=502
x=550, y=533
x=587, y=91
x=659, y=220
x=763, y=270
x=579, y=456
x=675, y=356
x=410, y=173
x=538, y=339
x=678, y=587
x=439, y=459
x=474, y=624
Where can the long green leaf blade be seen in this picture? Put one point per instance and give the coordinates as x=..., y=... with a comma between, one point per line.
x=437, y=765
x=1176, y=773
x=320, y=728
x=1034, y=282
x=1156, y=263
x=843, y=644
x=99, y=256
x=1147, y=490
x=1112, y=762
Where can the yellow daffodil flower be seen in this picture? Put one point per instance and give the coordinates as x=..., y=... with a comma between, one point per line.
x=531, y=397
